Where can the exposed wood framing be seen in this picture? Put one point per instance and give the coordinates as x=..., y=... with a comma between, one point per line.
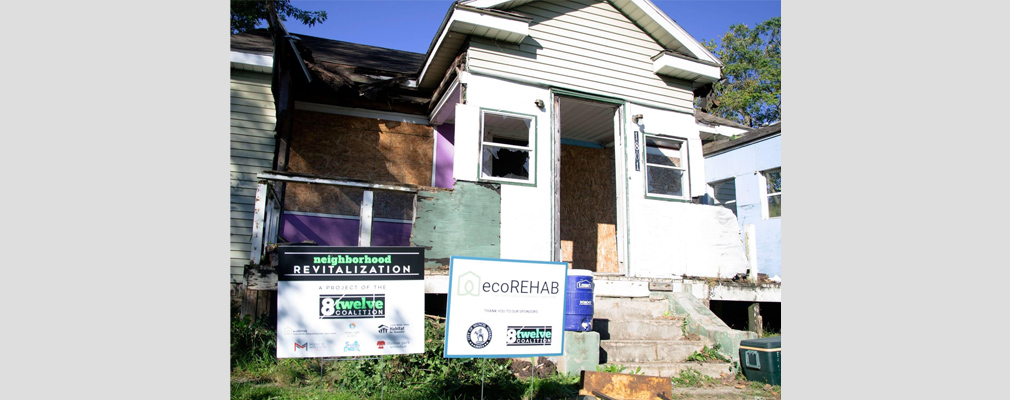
x=455, y=69
x=305, y=178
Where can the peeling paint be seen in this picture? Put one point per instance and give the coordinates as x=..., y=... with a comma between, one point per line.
x=465, y=221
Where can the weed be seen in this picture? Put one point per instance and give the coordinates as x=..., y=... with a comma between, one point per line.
x=618, y=369
x=708, y=354
x=691, y=377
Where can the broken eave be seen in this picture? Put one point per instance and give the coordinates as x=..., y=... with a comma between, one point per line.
x=460, y=23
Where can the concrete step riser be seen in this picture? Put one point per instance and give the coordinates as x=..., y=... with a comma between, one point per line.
x=668, y=370
x=611, y=309
x=656, y=329
x=657, y=351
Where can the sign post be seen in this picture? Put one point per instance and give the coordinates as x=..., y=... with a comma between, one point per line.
x=349, y=301
x=504, y=308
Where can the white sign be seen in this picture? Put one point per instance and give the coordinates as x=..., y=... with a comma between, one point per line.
x=505, y=308
x=349, y=301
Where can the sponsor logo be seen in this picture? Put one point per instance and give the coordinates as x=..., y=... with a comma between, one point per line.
x=380, y=344
x=522, y=287
x=468, y=284
x=529, y=336
x=310, y=346
x=333, y=306
x=352, y=325
x=479, y=335
x=348, y=346
x=584, y=284
x=396, y=329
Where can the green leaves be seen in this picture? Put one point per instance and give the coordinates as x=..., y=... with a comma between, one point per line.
x=751, y=90
x=245, y=15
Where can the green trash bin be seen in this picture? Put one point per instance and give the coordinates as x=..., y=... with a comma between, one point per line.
x=761, y=359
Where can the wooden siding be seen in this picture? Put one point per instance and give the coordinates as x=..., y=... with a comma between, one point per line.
x=583, y=45
x=252, y=151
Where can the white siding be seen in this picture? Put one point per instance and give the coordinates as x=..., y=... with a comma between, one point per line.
x=252, y=151
x=583, y=45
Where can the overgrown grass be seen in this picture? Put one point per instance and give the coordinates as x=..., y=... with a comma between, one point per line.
x=258, y=374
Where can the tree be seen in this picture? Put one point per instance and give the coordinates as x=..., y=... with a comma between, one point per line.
x=751, y=89
x=245, y=15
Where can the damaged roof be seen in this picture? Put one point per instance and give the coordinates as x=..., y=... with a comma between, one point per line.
x=336, y=52
x=755, y=135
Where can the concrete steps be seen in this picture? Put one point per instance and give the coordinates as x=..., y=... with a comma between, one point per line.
x=641, y=333
x=664, y=328
x=672, y=369
x=625, y=351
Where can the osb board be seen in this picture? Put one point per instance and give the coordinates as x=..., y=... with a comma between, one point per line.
x=625, y=386
x=371, y=149
x=588, y=208
x=324, y=199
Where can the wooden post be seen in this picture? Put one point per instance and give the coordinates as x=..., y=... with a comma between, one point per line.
x=365, y=226
x=259, y=214
x=752, y=263
x=754, y=322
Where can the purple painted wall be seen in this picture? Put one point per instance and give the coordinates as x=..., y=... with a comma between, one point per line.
x=390, y=234
x=324, y=231
x=445, y=137
x=341, y=232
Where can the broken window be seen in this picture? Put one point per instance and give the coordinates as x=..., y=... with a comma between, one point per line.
x=506, y=146
x=666, y=166
x=725, y=193
x=773, y=192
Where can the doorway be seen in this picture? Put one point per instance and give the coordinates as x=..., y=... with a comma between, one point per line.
x=587, y=157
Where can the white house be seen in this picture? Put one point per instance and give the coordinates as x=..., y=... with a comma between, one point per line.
x=745, y=176
x=549, y=130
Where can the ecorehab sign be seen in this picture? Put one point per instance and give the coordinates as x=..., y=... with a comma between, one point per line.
x=349, y=301
x=505, y=308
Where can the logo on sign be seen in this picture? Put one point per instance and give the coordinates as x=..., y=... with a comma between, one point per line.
x=468, y=284
x=393, y=329
x=348, y=346
x=479, y=335
x=584, y=284
x=303, y=346
x=333, y=306
x=380, y=343
x=529, y=336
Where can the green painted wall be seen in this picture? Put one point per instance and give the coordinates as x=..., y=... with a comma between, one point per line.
x=464, y=221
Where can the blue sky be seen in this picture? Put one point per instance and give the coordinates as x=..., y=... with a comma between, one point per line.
x=411, y=24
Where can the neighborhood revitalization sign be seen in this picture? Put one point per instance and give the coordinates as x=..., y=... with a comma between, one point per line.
x=504, y=308
x=349, y=301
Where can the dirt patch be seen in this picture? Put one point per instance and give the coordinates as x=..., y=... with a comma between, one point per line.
x=523, y=369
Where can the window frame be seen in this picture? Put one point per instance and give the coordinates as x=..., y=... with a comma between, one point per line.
x=765, y=195
x=685, y=161
x=531, y=148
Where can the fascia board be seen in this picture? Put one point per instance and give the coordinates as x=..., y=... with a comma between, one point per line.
x=258, y=60
x=464, y=21
x=664, y=21
x=666, y=64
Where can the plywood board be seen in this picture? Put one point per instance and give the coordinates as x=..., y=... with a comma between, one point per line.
x=588, y=208
x=340, y=146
